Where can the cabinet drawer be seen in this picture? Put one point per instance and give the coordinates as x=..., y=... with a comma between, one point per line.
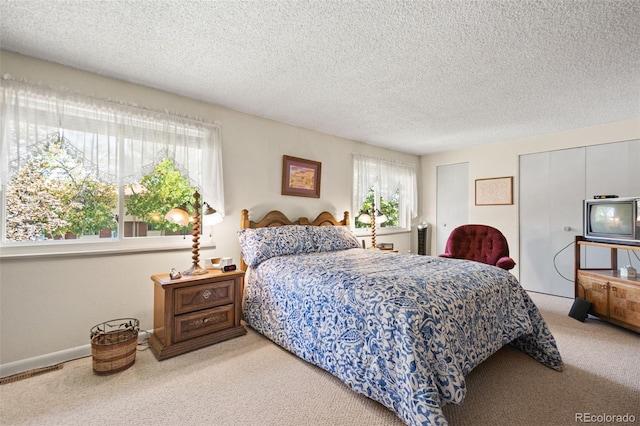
x=199, y=323
x=195, y=298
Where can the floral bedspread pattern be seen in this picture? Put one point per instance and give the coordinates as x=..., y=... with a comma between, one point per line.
x=402, y=329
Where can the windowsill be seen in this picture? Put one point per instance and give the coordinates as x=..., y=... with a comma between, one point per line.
x=361, y=232
x=22, y=253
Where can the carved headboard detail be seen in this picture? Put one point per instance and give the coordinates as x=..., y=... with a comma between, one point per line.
x=277, y=218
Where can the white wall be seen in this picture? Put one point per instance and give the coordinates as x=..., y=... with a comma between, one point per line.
x=49, y=304
x=502, y=159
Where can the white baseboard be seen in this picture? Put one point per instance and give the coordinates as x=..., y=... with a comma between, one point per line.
x=41, y=361
x=54, y=358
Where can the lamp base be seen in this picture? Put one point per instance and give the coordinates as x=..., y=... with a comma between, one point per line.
x=195, y=269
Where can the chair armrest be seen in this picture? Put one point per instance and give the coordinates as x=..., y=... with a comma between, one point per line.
x=506, y=262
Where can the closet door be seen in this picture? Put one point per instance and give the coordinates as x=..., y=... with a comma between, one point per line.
x=452, y=204
x=552, y=188
x=612, y=168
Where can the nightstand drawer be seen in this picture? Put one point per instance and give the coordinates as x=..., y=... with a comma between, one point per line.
x=203, y=322
x=190, y=299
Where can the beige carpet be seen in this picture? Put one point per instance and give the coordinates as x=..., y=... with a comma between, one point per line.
x=250, y=381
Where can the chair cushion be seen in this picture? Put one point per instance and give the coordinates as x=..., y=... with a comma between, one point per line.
x=480, y=243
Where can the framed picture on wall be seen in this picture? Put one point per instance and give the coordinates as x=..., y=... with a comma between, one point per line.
x=300, y=177
x=494, y=191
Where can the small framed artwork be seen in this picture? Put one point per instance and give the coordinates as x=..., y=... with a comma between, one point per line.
x=494, y=191
x=300, y=177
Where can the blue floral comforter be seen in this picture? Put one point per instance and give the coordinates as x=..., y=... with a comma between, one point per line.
x=402, y=329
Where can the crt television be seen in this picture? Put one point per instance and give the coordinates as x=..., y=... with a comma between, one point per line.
x=612, y=220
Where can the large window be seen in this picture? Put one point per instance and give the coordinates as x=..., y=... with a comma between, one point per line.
x=387, y=187
x=77, y=170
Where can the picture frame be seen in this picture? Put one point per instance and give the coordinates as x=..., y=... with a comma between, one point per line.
x=494, y=191
x=301, y=177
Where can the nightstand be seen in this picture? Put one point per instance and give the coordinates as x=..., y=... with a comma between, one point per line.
x=195, y=311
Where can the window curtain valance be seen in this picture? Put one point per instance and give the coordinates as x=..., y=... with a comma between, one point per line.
x=386, y=177
x=118, y=143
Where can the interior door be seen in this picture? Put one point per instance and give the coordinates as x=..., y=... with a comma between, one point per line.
x=452, y=207
x=552, y=187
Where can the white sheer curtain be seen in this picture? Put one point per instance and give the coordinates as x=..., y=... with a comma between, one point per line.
x=119, y=143
x=386, y=177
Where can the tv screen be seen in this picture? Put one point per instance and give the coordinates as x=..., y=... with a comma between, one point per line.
x=611, y=219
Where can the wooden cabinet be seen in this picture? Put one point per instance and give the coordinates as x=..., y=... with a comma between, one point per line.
x=195, y=311
x=613, y=298
x=595, y=289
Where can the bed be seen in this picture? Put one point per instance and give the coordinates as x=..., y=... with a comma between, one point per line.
x=402, y=329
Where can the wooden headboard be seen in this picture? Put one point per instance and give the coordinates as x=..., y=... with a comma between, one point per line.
x=277, y=218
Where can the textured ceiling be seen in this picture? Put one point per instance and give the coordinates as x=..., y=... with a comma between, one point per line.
x=415, y=76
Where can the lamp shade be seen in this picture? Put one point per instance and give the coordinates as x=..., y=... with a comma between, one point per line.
x=364, y=218
x=207, y=209
x=380, y=217
x=178, y=216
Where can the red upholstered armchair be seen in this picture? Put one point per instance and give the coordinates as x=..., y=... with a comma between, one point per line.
x=481, y=243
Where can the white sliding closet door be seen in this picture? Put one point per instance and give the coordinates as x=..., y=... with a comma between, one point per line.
x=552, y=187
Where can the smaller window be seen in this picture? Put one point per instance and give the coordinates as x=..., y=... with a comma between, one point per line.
x=389, y=208
x=388, y=186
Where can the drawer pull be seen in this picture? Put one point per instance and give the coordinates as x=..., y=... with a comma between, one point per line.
x=206, y=294
x=202, y=321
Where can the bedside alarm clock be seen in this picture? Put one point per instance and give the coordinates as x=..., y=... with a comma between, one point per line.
x=228, y=268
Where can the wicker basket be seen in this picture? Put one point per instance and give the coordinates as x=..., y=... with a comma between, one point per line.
x=113, y=345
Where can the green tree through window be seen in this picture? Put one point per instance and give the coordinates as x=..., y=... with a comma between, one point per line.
x=52, y=195
x=390, y=208
x=157, y=193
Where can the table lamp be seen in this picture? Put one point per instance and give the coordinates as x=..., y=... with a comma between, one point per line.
x=180, y=216
x=374, y=217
